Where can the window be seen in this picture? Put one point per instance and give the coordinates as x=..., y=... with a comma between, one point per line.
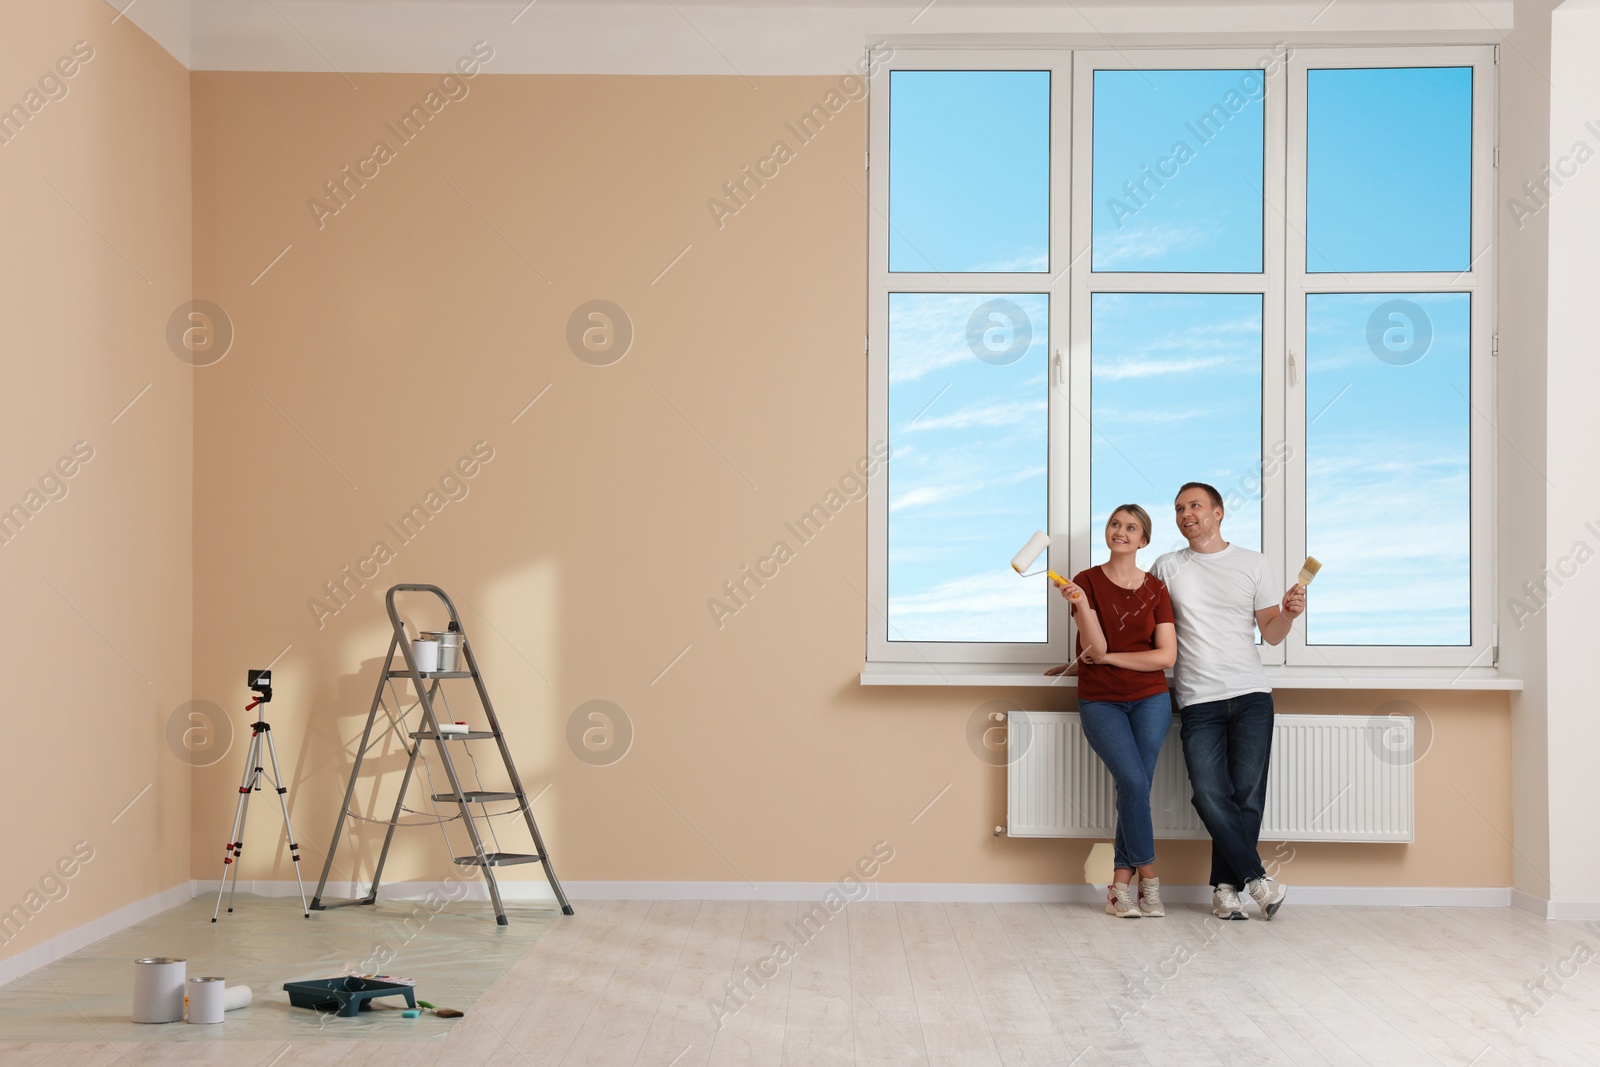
x=1390, y=438
x=967, y=404
x=1390, y=301
x=1175, y=396
x=1097, y=274
x=1177, y=163
x=970, y=188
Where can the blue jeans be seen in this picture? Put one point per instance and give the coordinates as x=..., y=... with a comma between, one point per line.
x=1127, y=736
x=1228, y=747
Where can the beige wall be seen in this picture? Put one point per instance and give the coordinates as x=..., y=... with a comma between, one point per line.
x=96, y=586
x=414, y=323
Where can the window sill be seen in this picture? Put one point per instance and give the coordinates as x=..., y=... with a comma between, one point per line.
x=1030, y=676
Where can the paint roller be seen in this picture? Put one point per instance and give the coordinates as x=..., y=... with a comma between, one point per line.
x=1030, y=555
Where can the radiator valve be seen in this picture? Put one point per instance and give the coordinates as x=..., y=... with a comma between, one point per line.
x=999, y=831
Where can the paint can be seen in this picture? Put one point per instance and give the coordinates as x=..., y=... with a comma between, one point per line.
x=205, y=1000
x=158, y=989
x=449, y=648
x=426, y=655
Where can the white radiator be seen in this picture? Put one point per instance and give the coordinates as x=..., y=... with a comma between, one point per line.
x=1333, y=778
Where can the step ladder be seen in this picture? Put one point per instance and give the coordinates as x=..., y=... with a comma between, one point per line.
x=428, y=689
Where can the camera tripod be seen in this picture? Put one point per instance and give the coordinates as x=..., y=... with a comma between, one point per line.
x=261, y=683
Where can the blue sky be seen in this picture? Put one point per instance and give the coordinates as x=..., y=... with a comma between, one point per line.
x=969, y=170
x=1175, y=397
x=1190, y=144
x=1389, y=194
x=1176, y=377
x=1387, y=473
x=967, y=474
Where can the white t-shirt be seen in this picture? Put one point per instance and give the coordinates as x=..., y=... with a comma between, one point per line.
x=1215, y=596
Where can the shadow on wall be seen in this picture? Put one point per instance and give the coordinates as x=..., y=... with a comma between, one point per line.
x=335, y=719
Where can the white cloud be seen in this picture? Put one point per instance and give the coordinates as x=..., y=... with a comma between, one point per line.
x=1151, y=368
x=1138, y=243
x=1000, y=414
x=992, y=606
x=930, y=332
x=1106, y=414
x=965, y=481
x=1038, y=261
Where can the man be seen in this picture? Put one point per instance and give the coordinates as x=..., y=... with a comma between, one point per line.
x=1221, y=593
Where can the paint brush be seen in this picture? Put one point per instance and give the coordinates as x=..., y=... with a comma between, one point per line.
x=1309, y=571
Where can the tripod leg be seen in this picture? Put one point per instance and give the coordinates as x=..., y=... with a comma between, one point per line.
x=288, y=828
x=229, y=856
x=253, y=781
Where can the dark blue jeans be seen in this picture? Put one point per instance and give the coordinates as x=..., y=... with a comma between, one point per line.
x=1227, y=745
x=1127, y=736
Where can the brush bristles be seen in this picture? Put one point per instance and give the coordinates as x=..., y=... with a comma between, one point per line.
x=1309, y=571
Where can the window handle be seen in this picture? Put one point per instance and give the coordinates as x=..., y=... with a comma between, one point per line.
x=1061, y=375
x=1294, y=378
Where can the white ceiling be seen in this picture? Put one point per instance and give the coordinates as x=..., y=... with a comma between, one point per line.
x=732, y=37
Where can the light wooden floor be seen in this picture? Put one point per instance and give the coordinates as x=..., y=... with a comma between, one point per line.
x=628, y=983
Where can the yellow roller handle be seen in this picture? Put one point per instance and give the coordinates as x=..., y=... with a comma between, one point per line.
x=1061, y=583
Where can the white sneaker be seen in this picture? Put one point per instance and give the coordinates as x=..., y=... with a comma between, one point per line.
x=1120, y=902
x=1150, y=898
x=1267, y=894
x=1225, y=902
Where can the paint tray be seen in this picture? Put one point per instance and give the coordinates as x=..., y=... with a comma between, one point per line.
x=345, y=996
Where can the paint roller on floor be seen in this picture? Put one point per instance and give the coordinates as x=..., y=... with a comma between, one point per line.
x=1029, y=556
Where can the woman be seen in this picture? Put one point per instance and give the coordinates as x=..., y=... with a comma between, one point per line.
x=1126, y=639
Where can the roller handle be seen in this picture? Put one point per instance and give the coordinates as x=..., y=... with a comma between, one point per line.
x=1061, y=583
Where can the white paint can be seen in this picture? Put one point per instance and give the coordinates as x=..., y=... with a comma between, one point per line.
x=158, y=989
x=205, y=1000
x=426, y=655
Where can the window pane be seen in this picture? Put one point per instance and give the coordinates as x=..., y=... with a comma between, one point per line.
x=1175, y=397
x=969, y=170
x=1388, y=465
x=968, y=438
x=1389, y=169
x=1178, y=164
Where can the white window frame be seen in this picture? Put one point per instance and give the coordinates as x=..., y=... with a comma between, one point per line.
x=882, y=283
x=1478, y=281
x=1283, y=284
x=1268, y=282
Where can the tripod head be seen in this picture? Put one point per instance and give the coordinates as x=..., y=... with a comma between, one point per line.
x=260, y=682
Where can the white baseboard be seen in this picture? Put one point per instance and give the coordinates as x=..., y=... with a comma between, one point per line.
x=31, y=959
x=1562, y=910
x=1528, y=902
x=529, y=892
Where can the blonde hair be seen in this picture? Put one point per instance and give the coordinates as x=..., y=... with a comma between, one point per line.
x=1137, y=512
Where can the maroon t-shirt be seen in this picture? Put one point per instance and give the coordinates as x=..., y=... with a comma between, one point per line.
x=1128, y=618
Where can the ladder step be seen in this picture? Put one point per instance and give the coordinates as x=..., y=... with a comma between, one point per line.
x=402, y=673
x=470, y=735
x=498, y=859
x=474, y=796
